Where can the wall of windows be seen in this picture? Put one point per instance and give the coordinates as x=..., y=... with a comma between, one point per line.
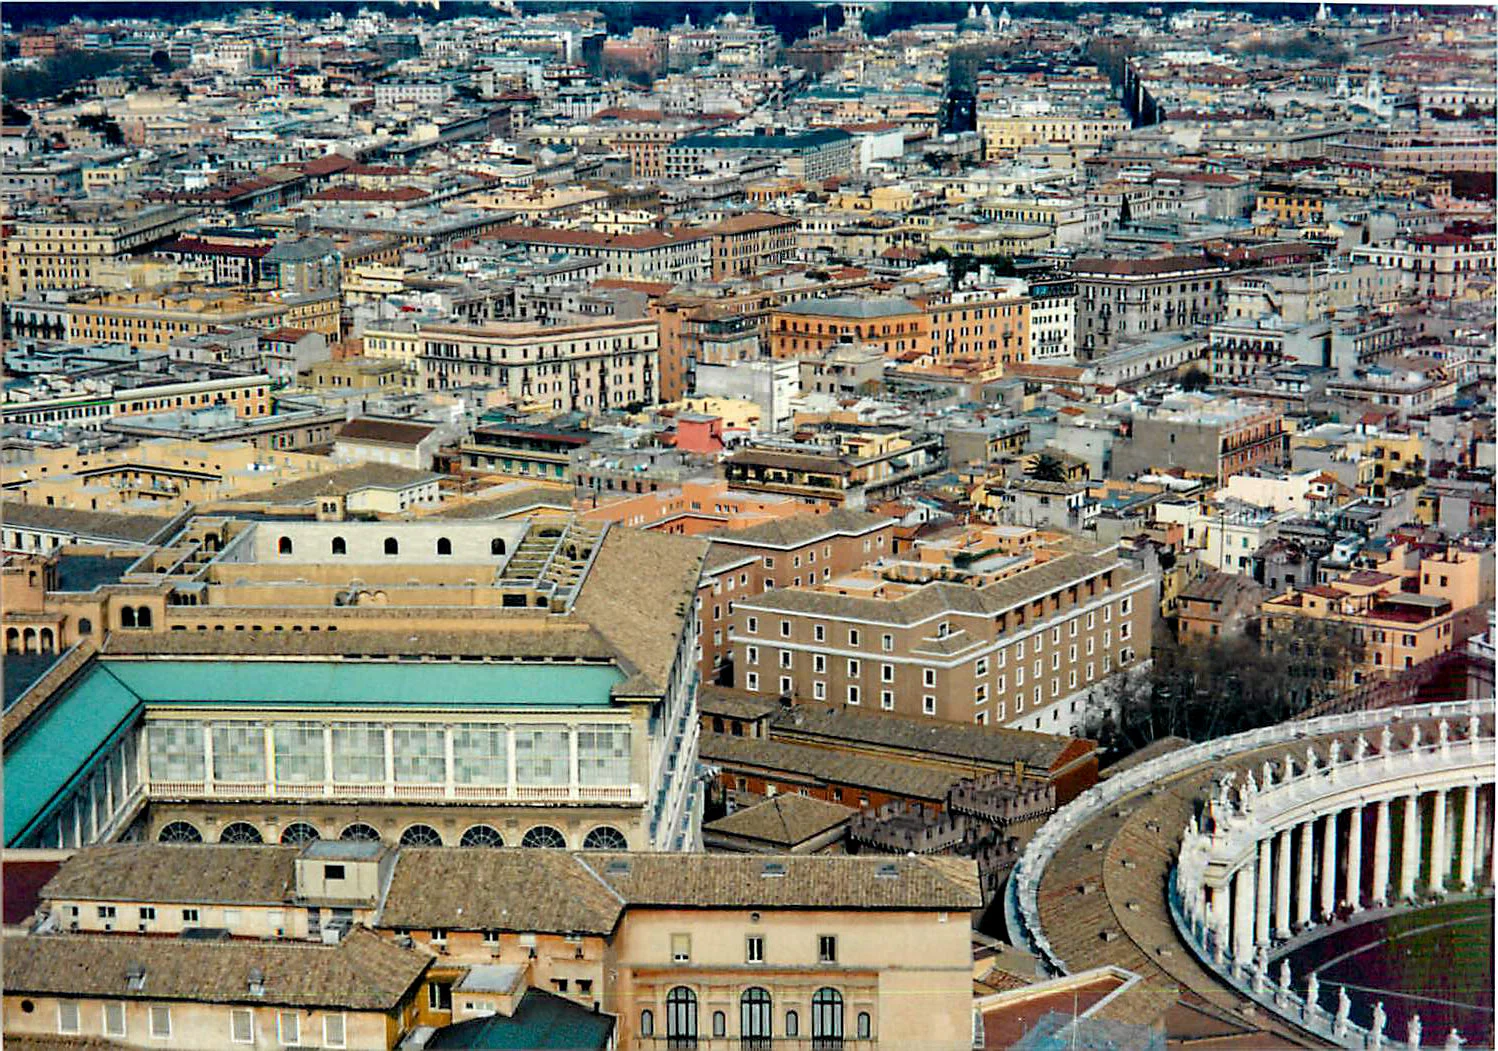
x=590, y=760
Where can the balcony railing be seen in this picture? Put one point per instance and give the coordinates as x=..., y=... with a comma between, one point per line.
x=207, y=789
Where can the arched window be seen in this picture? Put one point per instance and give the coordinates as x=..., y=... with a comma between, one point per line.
x=720, y=1023
x=360, y=832
x=298, y=833
x=85, y=626
x=681, y=1017
x=482, y=836
x=826, y=1019
x=127, y=617
x=340, y=546
x=865, y=1026
x=792, y=1023
x=142, y=616
x=497, y=546
x=28, y=640
x=283, y=546
x=179, y=832
x=240, y=832
x=47, y=640
x=605, y=838
x=12, y=640
x=421, y=836
x=545, y=837
x=444, y=546
x=755, y=1024
x=647, y=1022
x=392, y=546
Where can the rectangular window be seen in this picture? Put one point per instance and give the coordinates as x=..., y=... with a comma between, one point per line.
x=300, y=756
x=819, y=632
x=929, y=676
x=239, y=752
x=333, y=1031
x=887, y=700
x=175, y=751
x=189, y=917
x=980, y=669
x=887, y=643
x=751, y=655
x=603, y=753
x=161, y=1021
x=827, y=948
x=819, y=690
x=852, y=636
x=541, y=756
x=681, y=948
x=785, y=658
x=67, y=1016
x=754, y=949
x=928, y=704
x=420, y=751
x=819, y=663
x=440, y=996
x=114, y=1019
x=358, y=753
x=785, y=629
x=242, y=1026
x=751, y=681
x=751, y=625
x=852, y=694
x=481, y=754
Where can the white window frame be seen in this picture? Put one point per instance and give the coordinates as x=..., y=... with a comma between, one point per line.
x=296, y=1037
x=77, y=1018
x=151, y=1016
x=928, y=704
x=235, y=1014
x=124, y=1018
x=751, y=680
x=342, y=1021
x=818, y=690
x=854, y=696
x=887, y=700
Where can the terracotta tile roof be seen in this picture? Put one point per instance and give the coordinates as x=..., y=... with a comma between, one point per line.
x=802, y=529
x=389, y=432
x=886, y=774
x=170, y=873
x=364, y=972
x=784, y=821
x=506, y=889
x=340, y=482
x=728, y=881
x=636, y=595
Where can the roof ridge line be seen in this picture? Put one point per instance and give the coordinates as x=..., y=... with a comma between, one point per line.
x=578, y=859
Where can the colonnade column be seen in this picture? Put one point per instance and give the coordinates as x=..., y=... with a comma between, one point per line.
x=1381, y=847
x=1410, y=859
x=1220, y=916
x=1466, y=864
x=1354, y=895
x=1303, y=891
x=1329, y=867
x=1243, y=915
x=1282, y=885
x=1261, y=897
x=1439, y=859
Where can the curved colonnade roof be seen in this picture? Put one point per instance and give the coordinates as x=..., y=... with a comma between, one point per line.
x=1102, y=895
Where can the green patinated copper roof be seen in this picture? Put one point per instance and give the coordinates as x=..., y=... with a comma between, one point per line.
x=52, y=754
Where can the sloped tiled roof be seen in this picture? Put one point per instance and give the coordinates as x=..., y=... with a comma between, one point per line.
x=783, y=821
x=364, y=972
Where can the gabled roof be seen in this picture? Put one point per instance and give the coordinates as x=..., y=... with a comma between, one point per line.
x=155, y=872
x=783, y=821
x=364, y=972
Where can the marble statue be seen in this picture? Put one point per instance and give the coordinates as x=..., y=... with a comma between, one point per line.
x=1412, y=1031
x=1344, y=1006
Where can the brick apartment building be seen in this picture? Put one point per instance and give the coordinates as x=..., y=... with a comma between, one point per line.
x=1027, y=651
x=792, y=552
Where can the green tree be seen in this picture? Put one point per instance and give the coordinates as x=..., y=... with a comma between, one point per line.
x=1048, y=468
x=1195, y=379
